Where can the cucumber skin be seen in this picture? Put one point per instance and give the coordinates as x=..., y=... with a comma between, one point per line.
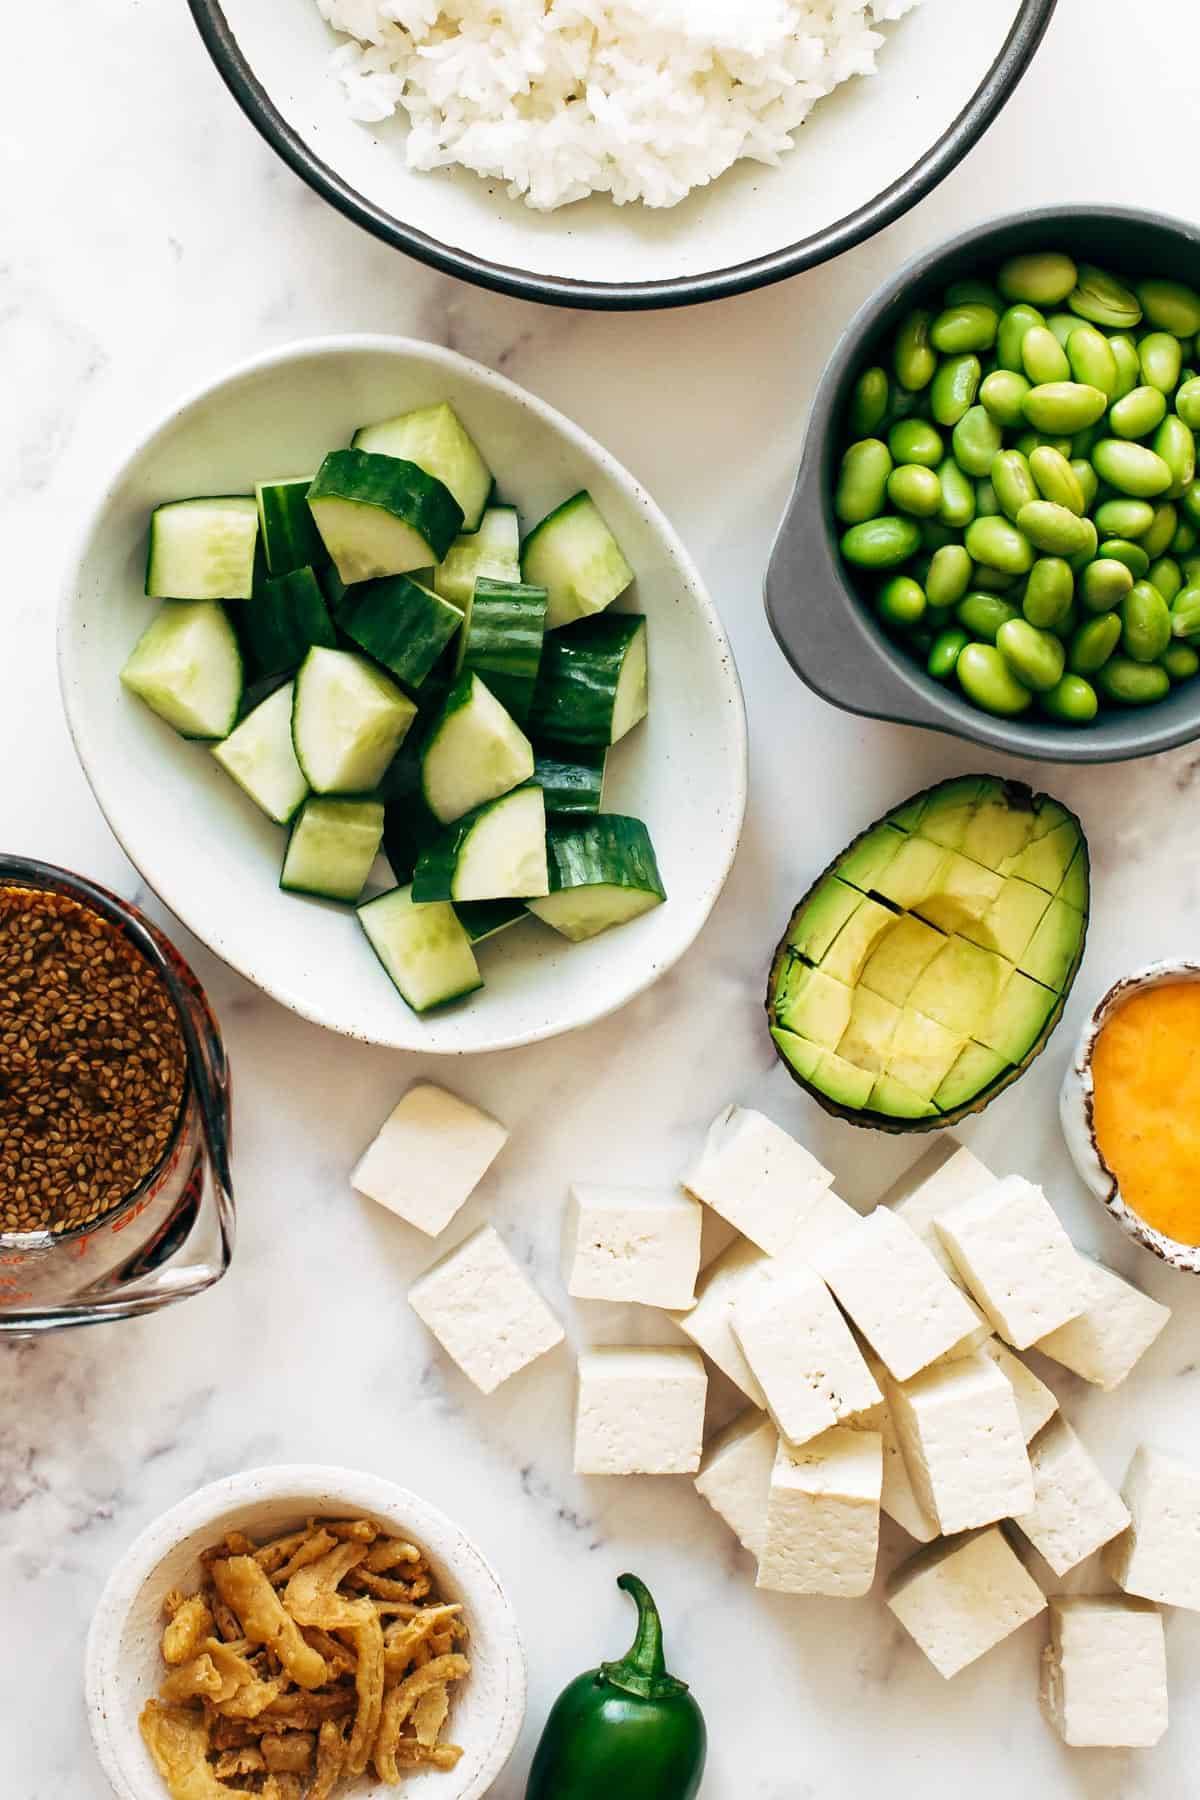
x=437, y=864
x=399, y=624
x=502, y=641
x=285, y=522
x=571, y=776
x=285, y=619
x=400, y=488
x=576, y=691
x=482, y=919
x=603, y=851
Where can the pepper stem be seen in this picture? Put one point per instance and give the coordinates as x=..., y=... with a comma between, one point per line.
x=643, y=1668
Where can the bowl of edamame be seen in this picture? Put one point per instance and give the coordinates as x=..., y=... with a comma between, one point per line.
x=995, y=529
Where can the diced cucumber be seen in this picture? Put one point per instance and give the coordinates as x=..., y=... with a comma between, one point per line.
x=401, y=624
x=187, y=667
x=290, y=538
x=348, y=721
x=380, y=516
x=475, y=752
x=203, y=549
x=435, y=438
x=493, y=551
x=425, y=950
x=602, y=872
x=593, y=681
x=482, y=919
x=502, y=641
x=576, y=558
x=497, y=852
x=283, y=621
x=331, y=848
x=259, y=755
x=571, y=776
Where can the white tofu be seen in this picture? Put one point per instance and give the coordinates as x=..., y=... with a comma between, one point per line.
x=947, y=1173
x=898, y=1499
x=640, y=1412
x=803, y=1355
x=1036, y=1403
x=735, y=1475
x=1016, y=1260
x=1158, y=1558
x=639, y=1245
x=1104, y=1672
x=959, y=1599
x=893, y=1290
x=484, y=1311
x=736, y=1274
x=963, y=1445
x=822, y=1533
x=1117, y=1328
x=429, y=1156
x=716, y=1235
x=764, y=1183
x=1075, y=1510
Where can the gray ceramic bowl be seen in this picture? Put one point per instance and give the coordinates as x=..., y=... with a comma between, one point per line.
x=822, y=626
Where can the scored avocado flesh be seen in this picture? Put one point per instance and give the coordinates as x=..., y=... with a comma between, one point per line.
x=928, y=964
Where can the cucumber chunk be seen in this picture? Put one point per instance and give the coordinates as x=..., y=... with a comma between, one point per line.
x=502, y=641
x=400, y=623
x=576, y=558
x=424, y=949
x=331, y=848
x=571, y=776
x=290, y=538
x=203, y=549
x=493, y=551
x=187, y=667
x=482, y=919
x=259, y=755
x=592, y=687
x=380, y=516
x=435, y=438
x=603, y=872
x=475, y=752
x=348, y=721
x=497, y=852
x=284, y=620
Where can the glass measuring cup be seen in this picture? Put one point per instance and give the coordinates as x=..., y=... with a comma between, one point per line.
x=173, y=1235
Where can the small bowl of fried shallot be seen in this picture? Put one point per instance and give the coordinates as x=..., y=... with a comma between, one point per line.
x=304, y=1633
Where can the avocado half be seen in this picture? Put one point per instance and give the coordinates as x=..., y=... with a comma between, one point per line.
x=928, y=965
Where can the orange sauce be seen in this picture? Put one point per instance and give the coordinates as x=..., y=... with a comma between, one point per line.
x=1146, y=1072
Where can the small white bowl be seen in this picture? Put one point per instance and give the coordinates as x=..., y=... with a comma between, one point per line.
x=124, y=1665
x=214, y=859
x=1078, y=1124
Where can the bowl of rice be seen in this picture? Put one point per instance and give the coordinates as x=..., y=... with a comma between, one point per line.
x=622, y=153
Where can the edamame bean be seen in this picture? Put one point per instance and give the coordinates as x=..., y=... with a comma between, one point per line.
x=1181, y=662
x=1184, y=540
x=1049, y=592
x=1187, y=401
x=1091, y=358
x=1104, y=584
x=914, y=358
x=862, y=483
x=1029, y=441
x=1185, y=613
x=1161, y=357
x=1132, y=683
x=1039, y=278
x=1011, y=336
x=1053, y=529
x=881, y=543
x=976, y=439
x=869, y=402
x=1064, y=407
x=1124, y=518
x=1102, y=299
x=1137, y=414
x=1083, y=442
x=947, y=647
x=1145, y=623
x=1122, y=551
x=1177, y=447
x=986, y=504
x=1036, y=658
x=1171, y=306
x=907, y=404
x=1190, y=501
x=1129, y=367
x=1094, y=643
x=949, y=575
x=1042, y=356
x=1167, y=577
x=963, y=293
x=916, y=441
x=1062, y=325
x=1161, y=534
x=1003, y=392
x=996, y=581
x=999, y=545
x=1013, y=481
x=986, y=678
x=1074, y=701
x=915, y=489
x=967, y=326
x=1056, y=480
x=983, y=614
x=1087, y=548
x=901, y=601
x=1088, y=480
x=1131, y=468
x=953, y=389
x=934, y=535
x=958, y=495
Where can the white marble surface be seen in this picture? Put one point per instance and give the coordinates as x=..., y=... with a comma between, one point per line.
x=148, y=239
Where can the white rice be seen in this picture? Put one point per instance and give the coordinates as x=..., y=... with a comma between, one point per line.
x=641, y=99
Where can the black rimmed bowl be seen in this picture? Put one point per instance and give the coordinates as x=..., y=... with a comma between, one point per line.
x=865, y=155
x=822, y=623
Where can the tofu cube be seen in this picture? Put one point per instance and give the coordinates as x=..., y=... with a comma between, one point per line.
x=1016, y=1259
x=1036, y=1403
x=484, y=1311
x=735, y=1476
x=1075, y=1510
x=716, y=1235
x=1115, y=1330
x=429, y=1156
x=1158, y=1558
x=893, y=1290
x=963, y=1445
x=947, y=1173
x=898, y=1500
x=764, y=1183
x=639, y=1245
x=640, y=1412
x=803, y=1355
x=737, y=1273
x=822, y=1534
x=959, y=1599
x=1104, y=1672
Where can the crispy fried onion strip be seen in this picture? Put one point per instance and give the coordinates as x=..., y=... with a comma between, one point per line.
x=388, y=1552
x=315, y=1545
x=246, y=1761
x=283, y=1787
x=368, y=1683
x=190, y=1623
x=331, y=1760
x=405, y=1637
x=288, y=1753
x=399, y=1703
x=244, y=1587
x=177, y=1739
x=311, y=1595
x=244, y=1694
x=429, y=1715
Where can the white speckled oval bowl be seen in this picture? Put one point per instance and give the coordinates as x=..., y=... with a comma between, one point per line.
x=124, y=1666
x=1075, y=1111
